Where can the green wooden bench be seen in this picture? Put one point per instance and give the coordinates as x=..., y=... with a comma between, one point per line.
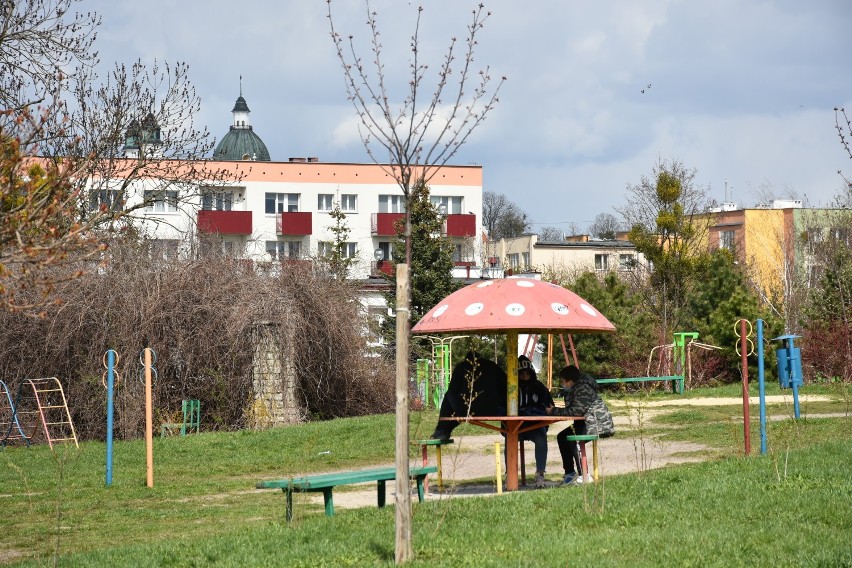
x=676, y=380
x=326, y=483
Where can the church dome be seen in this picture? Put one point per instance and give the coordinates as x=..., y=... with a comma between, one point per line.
x=241, y=142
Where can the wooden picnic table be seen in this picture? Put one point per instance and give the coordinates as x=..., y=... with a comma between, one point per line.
x=512, y=427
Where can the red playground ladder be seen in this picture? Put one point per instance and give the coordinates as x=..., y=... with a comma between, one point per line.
x=52, y=409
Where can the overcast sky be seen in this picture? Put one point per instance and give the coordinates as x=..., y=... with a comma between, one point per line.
x=740, y=90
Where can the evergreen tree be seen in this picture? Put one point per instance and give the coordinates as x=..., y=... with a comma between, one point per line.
x=335, y=257
x=431, y=262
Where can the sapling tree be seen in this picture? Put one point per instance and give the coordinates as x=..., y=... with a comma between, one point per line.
x=412, y=139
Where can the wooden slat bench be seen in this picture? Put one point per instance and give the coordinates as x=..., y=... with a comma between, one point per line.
x=676, y=380
x=326, y=483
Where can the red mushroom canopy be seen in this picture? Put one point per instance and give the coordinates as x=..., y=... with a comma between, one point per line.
x=501, y=305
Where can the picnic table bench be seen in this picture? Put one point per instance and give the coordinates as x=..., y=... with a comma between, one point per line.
x=676, y=380
x=326, y=483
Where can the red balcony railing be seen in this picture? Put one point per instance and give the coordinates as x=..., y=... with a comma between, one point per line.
x=382, y=267
x=461, y=225
x=224, y=222
x=294, y=223
x=385, y=224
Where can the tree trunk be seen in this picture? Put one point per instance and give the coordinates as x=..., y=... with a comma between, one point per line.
x=404, y=551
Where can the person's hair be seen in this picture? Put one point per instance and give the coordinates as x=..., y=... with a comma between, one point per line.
x=570, y=373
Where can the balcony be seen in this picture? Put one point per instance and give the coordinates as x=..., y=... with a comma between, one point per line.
x=385, y=224
x=385, y=267
x=294, y=223
x=461, y=225
x=224, y=222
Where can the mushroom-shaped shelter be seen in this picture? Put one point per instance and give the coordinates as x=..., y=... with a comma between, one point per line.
x=513, y=304
x=507, y=306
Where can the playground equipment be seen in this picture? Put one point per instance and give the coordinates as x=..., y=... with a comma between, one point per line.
x=110, y=381
x=433, y=375
x=9, y=424
x=39, y=407
x=148, y=359
x=789, y=359
x=191, y=419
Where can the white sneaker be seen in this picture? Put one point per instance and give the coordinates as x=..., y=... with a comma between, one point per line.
x=539, y=480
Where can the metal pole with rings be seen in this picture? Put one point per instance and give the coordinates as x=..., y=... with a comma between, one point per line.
x=110, y=380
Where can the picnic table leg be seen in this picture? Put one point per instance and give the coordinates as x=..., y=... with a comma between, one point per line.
x=381, y=491
x=512, y=455
x=595, y=458
x=426, y=462
x=329, y=502
x=420, y=480
x=440, y=476
x=289, y=493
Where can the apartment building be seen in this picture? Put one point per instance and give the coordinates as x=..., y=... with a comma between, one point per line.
x=279, y=211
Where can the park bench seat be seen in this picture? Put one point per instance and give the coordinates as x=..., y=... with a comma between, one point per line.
x=326, y=482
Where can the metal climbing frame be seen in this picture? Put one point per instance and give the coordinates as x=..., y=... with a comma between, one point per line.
x=40, y=406
x=10, y=427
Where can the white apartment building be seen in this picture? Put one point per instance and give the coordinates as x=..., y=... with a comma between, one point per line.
x=278, y=211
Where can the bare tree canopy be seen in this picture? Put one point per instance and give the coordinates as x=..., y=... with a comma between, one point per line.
x=42, y=42
x=551, y=234
x=502, y=218
x=423, y=131
x=66, y=134
x=605, y=226
x=844, y=130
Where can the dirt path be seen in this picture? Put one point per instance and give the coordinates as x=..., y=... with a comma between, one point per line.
x=473, y=457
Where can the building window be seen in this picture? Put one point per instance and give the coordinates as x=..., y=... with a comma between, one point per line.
x=284, y=250
x=626, y=262
x=281, y=203
x=161, y=201
x=514, y=260
x=326, y=249
x=349, y=203
x=525, y=258
x=387, y=250
x=325, y=202
x=601, y=262
x=727, y=240
x=109, y=199
x=163, y=248
x=453, y=205
x=391, y=204
x=217, y=200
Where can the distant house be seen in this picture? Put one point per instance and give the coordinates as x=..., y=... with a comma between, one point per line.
x=575, y=253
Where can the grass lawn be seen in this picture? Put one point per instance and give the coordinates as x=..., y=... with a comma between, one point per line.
x=791, y=507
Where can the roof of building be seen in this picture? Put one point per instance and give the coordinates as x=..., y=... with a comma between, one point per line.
x=241, y=144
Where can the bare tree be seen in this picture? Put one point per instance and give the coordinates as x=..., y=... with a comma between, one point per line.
x=41, y=43
x=412, y=140
x=605, y=226
x=844, y=131
x=552, y=234
x=667, y=226
x=76, y=130
x=501, y=217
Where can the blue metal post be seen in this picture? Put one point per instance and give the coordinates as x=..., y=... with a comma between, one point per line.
x=795, y=381
x=762, y=385
x=110, y=384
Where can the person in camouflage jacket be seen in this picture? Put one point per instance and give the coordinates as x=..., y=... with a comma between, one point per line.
x=582, y=399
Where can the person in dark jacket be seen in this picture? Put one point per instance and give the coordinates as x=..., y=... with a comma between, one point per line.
x=582, y=393
x=477, y=388
x=533, y=400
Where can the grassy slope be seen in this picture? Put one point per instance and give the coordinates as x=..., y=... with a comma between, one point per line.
x=202, y=510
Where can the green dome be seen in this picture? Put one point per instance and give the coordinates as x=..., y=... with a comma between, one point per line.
x=241, y=144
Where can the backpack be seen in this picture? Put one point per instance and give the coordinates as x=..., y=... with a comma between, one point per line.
x=599, y=420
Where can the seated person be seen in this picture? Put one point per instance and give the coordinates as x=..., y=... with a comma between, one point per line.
x=477, y=388
x=581, y=399
x=533, y=400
